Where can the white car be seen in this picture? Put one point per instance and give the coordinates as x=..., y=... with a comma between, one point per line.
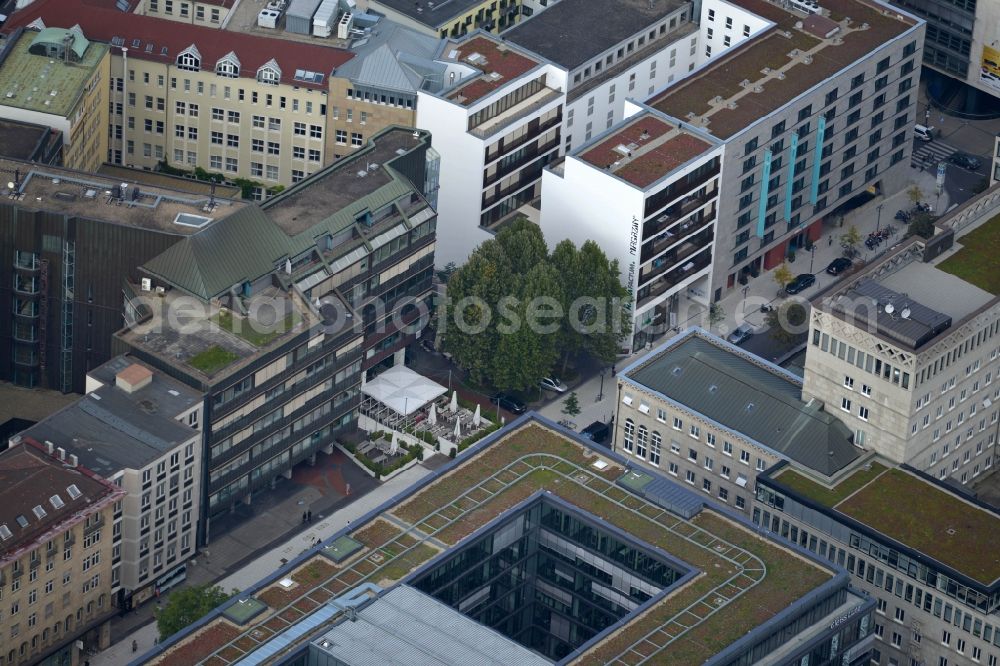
x=553, y=384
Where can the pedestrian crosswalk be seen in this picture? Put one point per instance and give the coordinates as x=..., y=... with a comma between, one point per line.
x=929, y=153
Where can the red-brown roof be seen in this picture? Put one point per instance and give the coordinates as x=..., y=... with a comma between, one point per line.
x=103, y=24
x=499, y=59
x=604, y=154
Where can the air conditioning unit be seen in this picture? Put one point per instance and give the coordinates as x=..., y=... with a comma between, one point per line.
x=161, y=291
x=146, y=284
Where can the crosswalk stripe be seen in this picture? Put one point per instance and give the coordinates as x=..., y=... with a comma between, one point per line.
x=933, y=152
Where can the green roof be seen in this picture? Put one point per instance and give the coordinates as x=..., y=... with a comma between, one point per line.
x=43, y=84
x=750, y=397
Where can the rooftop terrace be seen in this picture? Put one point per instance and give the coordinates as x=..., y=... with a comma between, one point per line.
x=937, y=523
x=742, y=580
x=100, y=197
x=497, y=62
x=43, y=84
x=644, y=150
x=763, y=74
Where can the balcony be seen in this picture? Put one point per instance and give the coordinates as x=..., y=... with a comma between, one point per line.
x=515, y=113
x=505, y=168
x=536, y=128
x=677, y=256
x=672, y=278
x=526, y=177
x=665, y=239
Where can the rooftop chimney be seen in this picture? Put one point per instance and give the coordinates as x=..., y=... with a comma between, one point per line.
x=62, y=453
x=133, y=378
x=50, y=447
x=73, y=460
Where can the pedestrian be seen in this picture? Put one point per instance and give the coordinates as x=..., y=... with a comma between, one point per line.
x=303, y=517
x=309, y=516
x=614, y=371
x=829, y=239
x=135, y=646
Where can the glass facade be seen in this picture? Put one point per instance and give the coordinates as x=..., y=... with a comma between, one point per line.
x=549, y=578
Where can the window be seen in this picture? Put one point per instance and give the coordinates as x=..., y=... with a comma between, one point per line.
x=845, y=404
x=356, y=140
x=628, y=438
x=863, y=413
x=866, y=389
x=744, y=457
x=689, y=477
x=849, y=383
x=695, y=432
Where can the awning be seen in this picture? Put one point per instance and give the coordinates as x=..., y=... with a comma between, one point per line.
x=403, y=390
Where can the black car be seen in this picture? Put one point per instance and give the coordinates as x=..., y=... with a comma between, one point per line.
x=597, y=432
x=801, y=282
x=963, y=161
x=839, y=265
x=510, y=403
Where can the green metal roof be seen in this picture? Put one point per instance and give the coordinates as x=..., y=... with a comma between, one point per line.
x=57, y=35
x=754, y=399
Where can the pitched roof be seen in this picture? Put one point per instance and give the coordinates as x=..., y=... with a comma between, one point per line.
x=393, y=57
x=31, y=480
x=747, y=397
x=161, y=40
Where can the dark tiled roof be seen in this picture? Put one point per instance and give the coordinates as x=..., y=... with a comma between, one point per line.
x=29, y=477
x=101, y=23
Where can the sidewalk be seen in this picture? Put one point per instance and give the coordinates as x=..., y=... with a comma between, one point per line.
x=120, y=653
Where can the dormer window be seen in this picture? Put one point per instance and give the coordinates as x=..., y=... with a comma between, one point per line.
x=269, y=73
x=189, y=59
x=228, y=66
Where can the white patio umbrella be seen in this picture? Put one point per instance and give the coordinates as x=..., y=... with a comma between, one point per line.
x=458, y=428
x=454, y=402
x=393, y=445
x=476, y=418
x=432, y=415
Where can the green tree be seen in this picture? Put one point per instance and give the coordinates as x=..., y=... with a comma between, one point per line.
x=716, y=314
x=600, y=310
x=921, y=224
x=571, y=407
x=783, y=275
x=524, y=245
x=786, y=322
x=915, y=195
x=186, y=605
x=850, y=240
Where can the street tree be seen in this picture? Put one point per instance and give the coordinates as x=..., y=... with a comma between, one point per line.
x=921, y=224
x=786, y=321
x=186, y=605
x=571, y=407
x=783, y=275
x=915, y=194
x=716, y=314
x=850, y=240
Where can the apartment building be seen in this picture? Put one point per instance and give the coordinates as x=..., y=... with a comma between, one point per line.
x=715, y=417
x=813, y=111
x=647, y=193
x=449, y=20
x=69, y=241
x=288, y=307
x=56, y=524
x=58, y=78
x=906, y=354
x=925, y=553
x=187, y=96
x=30, y=142
x=377, y=88
x=496, y=123
x=210, y=13
x=140, y=430
x=646, y=46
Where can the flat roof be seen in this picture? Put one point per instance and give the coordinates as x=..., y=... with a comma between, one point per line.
x=110, y=429
x=20, y=140
x=87, y=195
x=912, y=304
x=688, y=626
x=571, y=32
x=644, y=150
x=498, y=64
x=432, y=14
x=935, y=522
x=746, y=395
x=43, y=84
x=715, y=98
x=38, y=492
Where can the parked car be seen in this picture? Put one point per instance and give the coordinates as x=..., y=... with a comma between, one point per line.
x=801, y=282
x=741, y=334
x=553, y=384
x=839, y=265
x=963, y=161
x=597, y=432
x=510, y=403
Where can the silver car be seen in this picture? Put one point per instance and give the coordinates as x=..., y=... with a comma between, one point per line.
x=553, y=384
x=742, y=333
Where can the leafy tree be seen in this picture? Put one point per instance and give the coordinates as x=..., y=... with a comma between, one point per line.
x=921, y=225
x=915, y=195
x=186, y=605
x=606, y=319
x=783, y=275
x=571, y=407
x=850, y=240
x=786, y=321
x=524, y=245
x=716, y=314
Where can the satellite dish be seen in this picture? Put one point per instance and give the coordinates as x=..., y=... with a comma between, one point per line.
x=905, y=314
x=889, y=308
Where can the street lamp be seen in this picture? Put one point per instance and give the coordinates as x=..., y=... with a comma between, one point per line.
x=746, y=289
x=600, y=394
x=812, y=257
x=878, y=220
x=927, y=115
